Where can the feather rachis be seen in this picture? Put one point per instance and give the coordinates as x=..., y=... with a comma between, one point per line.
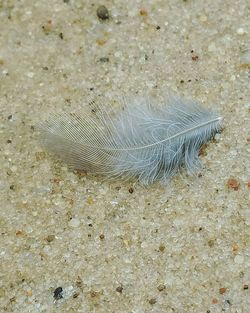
x=144, y=140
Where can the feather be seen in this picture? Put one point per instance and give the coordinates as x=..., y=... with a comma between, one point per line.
x=145, y=141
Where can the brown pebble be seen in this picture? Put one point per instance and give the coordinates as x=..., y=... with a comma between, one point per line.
x=102, y=12
x=143, y=12
x=47, y=27
x=162, y=247
x=233, y=184
x=152, y=301
x=79, y=282
x=202, y=151
x=222, y=290
x=93, y=294
x=102, y=236
x=101, y=42
x=195, y=57
x=161, y=287
x=215, y=301
x=211, y=242
x=119, y=289
x=29, y=293
x=248, y=185
x=131, y=190
x=50, y=238
x=235, y=248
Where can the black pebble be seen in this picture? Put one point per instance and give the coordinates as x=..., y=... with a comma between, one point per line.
x=104, y=59
x=58, y=293
x=102, y=12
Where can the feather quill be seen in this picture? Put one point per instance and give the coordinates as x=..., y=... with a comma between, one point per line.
x=144, y=141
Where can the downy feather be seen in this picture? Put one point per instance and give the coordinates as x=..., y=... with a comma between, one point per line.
x=145, y=141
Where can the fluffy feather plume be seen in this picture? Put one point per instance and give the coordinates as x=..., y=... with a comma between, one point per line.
x=144, y=141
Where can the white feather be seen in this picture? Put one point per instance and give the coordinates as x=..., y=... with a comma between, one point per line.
x=144, y=141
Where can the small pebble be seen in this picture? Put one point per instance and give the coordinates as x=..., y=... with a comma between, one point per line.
x=12, y=187
x=143, y=12
x=195, y=57
x=104, y=59
x=222, y=290
x=102, y=12
x=241, y=31
x=79, y=282
x=58, y=293
x=74, y=223
x=131, y=190
x=50, y=238
x=161, y=287
x=152, y=301
x=235, y=248
x=217, y=137
x=101, y=42
x=75, y=295
x=102, y=236
x=233, y=184
x=30, y=74
x=119, y=289
x=203, y=18
x=93, y=294
x=162, y=247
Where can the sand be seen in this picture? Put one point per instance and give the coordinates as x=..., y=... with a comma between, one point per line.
x=79, y=243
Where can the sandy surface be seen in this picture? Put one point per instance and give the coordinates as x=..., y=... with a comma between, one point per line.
x=180, y=248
